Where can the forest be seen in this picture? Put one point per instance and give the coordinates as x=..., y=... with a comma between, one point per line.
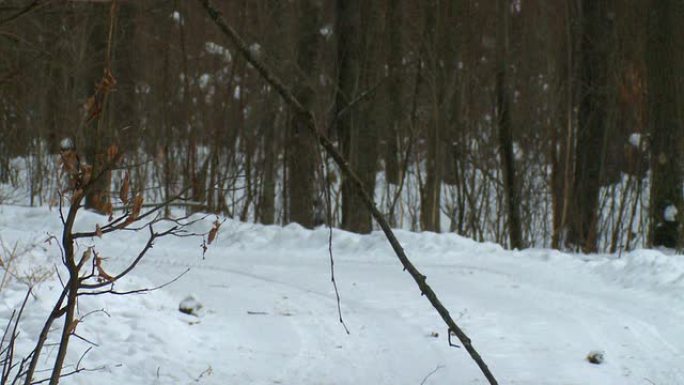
x=524, y=122
x=257, y=168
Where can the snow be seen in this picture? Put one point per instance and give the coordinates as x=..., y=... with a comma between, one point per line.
x=66, y=144
x=326, y=31
x=670, y=213
x=255, y=49
x=635, y=139
x=176, y=16
x=204, y=81
x=217, y=49
x=270, y=316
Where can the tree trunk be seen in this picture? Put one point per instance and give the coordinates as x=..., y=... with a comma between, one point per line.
x=431, y=190
x=301, y=160
x=268, y=188
x=503, y=107
x=393, y=131
x=352, y=134
x=124, y=115
x=663, y=62
x=96, y=133
x=593, y=104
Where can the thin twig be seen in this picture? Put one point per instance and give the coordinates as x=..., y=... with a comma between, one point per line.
x=23, y=11
x=132, y=265
x=435, y=370
x=115, y=225
x=137, y=291
x=67, y=374
x=94, y=312
x=8, y=366
x=85, y=340
x=42, y=337
x=363, y=96
x=328, y=202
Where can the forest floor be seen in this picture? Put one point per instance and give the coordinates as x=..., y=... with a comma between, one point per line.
x=270, y=316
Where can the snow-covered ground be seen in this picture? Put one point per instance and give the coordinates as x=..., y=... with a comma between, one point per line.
x=269, y=313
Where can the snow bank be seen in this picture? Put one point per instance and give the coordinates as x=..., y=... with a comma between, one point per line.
x=644, y=269
x=270, y=314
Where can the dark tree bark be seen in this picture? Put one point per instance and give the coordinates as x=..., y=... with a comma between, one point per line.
x=354, y=137
x=268, y=190
x=95, y=132
x=664, y=66
x=596, y=27
x=394, y=92
x=503, y=107
x=124, y=117
x=370, y=122
x=434, y=58
x=301, y=159
x=275, y=31
x=563, y=137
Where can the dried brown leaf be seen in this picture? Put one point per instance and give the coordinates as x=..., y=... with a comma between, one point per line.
x=213, y=232
x=94, y=104
x=87, y=254
x=112, y=152
x=125, y=187
x=102, y=274
x=92, y=108
x=98, y=230
x=87, y=173
x=109, y=210
x=137, y=206
x=68, y=160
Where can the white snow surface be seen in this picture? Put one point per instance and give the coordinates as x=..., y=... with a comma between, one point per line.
x=270, y=314
x=670, y=213
x=66, y=144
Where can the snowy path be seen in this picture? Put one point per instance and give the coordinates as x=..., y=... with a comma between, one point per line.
x=270, y=314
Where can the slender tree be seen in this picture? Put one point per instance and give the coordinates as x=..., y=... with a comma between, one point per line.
x=393, y=131
x=505, y=130
x=96, y=130
x=431, y=192
x=354, y=136
x=595, y=32
x=301, y=157
x=664, y=66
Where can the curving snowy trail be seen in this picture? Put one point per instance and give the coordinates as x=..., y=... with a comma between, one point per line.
x=270, y=315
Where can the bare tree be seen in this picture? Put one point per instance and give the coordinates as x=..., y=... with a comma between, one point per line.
x=664, y=64
x=505, y=130
x=86, y=273
x=355, y=137
x=301, y=147
x=596, y=30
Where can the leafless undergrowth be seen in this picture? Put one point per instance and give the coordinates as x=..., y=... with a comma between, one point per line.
x=86, y=271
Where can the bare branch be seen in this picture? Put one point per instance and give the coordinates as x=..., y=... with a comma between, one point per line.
x=137, y=291
x=435, y=370
x=328, y=204
x=117, y=223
